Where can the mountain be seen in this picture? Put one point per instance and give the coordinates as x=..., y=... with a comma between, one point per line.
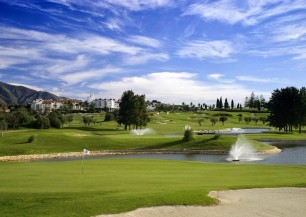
x=11, y=94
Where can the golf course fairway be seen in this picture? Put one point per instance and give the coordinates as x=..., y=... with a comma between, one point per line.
x=120, y=185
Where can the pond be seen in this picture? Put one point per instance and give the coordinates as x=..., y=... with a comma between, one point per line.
x=293, y=155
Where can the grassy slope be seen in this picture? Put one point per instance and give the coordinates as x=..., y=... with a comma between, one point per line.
x=118, y=185
x=168, y=134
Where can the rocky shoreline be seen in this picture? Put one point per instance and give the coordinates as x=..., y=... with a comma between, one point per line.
x=22, y=158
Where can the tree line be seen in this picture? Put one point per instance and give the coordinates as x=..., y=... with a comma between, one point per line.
x=23, y=117
x=287, y=108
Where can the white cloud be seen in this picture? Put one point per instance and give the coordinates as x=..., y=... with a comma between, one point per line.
x=10, y=56
x=28, y=86
x=173, y=87
x=219, y=49
x=93, y=74
x=91, y=43
x=114, y=24
x=215, y=76
x=289, y=32
x=258, y=80
x=145, y=41
x=60, y=43
x=136, y=5
x=133, y=5
x=218, y=10
x=145, y=57
x=64, y=66
x=298, y=52
x=246, y=12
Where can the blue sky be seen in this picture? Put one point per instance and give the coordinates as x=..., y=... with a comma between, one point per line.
x=170, y=50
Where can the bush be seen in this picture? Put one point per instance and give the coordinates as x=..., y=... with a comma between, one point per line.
x=188, y=134
x=42, y=122
x=32, y=138
x=247, y=119
x=213, y=121
x=223, y=119
x=109, y=116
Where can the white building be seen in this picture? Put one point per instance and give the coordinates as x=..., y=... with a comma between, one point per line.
x=42, y=106
x=106, y=104
x=91, y=97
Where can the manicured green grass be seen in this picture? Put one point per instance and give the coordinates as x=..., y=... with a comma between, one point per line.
x=119, y=185
x=168, y=133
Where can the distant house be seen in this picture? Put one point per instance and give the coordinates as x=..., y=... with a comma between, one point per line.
x=151, y=105
x=43, y=106
x=106, y=104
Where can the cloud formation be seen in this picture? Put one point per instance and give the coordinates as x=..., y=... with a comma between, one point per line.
x=207, y=49
x=176, y=87
x=247, y=12
x=72, y=47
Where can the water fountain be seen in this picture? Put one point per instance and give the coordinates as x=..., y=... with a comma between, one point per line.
x=242, y=150
x=140, y=132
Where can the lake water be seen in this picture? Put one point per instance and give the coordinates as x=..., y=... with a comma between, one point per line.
x=294, y=155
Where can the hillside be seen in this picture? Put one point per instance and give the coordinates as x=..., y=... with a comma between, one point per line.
x=11, y=94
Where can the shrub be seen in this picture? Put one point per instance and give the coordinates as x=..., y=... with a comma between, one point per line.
x=247, y=119
x=109, y=116
x=223, y=119
x=188, y=134
x=213, y=121
x=32, y=138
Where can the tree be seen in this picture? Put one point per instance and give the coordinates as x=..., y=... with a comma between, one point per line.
x=87, y=120
x=301, y=109
x=69, y=118
x=255, y=102
x=252, y=101
x=126, y=109
x=133, y=110
x=247, y=119
x=19, y=116
x=226, y=105
x=63, y=119
x=262, y=101
x=213, y=121
x=239, y=118
x=232, y=104
x=42, y=122
x=263, y=119
x=255, y=119
x=200, y=120
x=220, y=103
x=286, y=109
x=92, y=108
x=141, y=117
x=55, y=120
x=223, y=119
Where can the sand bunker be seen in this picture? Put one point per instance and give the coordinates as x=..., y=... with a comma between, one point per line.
x=267, y=202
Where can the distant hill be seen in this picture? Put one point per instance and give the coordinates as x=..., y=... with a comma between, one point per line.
x=11, y=94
